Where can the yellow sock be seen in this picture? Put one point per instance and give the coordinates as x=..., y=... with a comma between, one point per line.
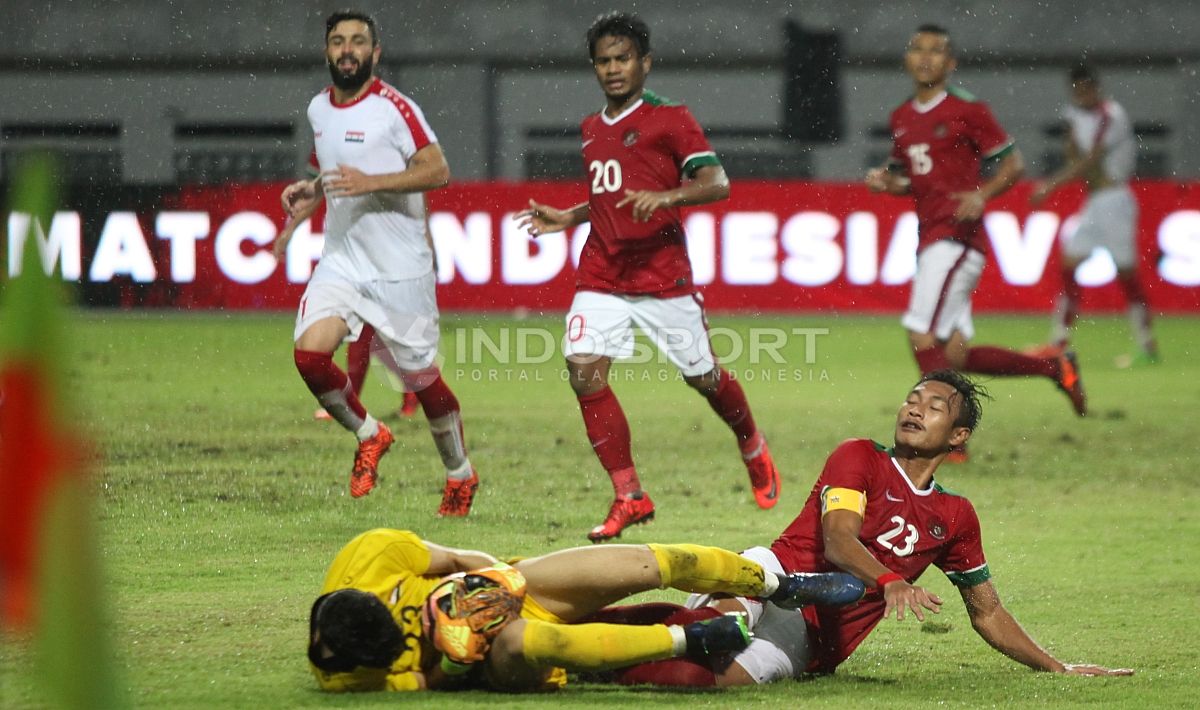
x=595, y=647
x=701, y=569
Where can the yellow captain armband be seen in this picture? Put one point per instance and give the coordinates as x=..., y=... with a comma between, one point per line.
x=842, y=499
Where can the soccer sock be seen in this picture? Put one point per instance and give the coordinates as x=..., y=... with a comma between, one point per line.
x=931, y=359
x=729, y=402
x=332, y=389
x=608, y=431
x=1001, y=361
x=358, y=358
x=1066, y=309
x=445, y=420
x=674, y=672
x=597, y=647
x=1139, y=314
x=705, y=570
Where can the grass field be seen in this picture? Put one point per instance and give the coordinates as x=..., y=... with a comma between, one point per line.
x=221, y=503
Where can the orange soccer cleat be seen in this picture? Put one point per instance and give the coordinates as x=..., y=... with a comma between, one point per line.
x=366, y=461
x=625, y=511
x=764, y=478
x=457, y=496
x=1071, y=383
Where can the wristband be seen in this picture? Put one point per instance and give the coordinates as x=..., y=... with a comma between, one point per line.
x=885, y=579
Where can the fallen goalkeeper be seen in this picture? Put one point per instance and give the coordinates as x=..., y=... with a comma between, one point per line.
x=399, y=613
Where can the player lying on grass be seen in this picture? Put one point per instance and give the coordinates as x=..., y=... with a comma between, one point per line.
x=877, y=513
x=388, y=618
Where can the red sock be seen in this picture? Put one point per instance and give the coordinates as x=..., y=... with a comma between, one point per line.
x=1001, y=361
x=436, y=397
x=729, y=402
x=608, y=431
x=322, y=376
x=358, y=358
x=678, y=672
x=931, y=359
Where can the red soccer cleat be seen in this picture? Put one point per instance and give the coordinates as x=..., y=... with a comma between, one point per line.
x=764, y=478
x=1070, y=382
x=457, y=496
x=366, y=461
x=625, y=511
x=411, y=404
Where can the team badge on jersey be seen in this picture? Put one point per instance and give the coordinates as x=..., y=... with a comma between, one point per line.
x=939, y=131
x=355, y=136
x=630, y=137
x=937, y=529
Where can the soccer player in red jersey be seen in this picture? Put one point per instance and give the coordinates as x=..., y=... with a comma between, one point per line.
x=877, y=513
x=646, y=158
x=940, y=137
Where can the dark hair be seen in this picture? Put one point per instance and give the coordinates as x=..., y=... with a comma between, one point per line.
x=343, y=15
x=619, y=24
x=970, y=411
x=357, y=628
x=1083, y=72
x=933, y=29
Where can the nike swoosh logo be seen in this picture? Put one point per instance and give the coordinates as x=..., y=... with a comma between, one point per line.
x=588, y=142
x=771, y=494
x=894, y=499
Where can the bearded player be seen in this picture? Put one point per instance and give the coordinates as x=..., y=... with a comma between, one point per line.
x=646, y=158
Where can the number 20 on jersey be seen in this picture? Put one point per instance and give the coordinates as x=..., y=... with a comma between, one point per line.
x=606, y=176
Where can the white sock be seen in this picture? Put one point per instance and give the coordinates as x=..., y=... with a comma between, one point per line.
x=678, y=640
x=369, y=428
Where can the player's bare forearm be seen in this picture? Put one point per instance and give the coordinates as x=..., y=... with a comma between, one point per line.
x=708, y=184
x=447, y=560
x=883, y=179
x=1012, y=167
x=427, y=170
x=995, y=625
x=840, y=530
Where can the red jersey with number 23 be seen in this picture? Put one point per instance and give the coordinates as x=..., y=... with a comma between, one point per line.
x=905, y=528
x=651, y=145
x=941, y=146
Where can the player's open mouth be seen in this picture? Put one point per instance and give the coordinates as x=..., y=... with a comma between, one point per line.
x=347, y=65
x=912, y=426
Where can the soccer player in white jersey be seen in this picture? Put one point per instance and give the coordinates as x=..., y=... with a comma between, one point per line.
x=1102, y=151
x=377, y=156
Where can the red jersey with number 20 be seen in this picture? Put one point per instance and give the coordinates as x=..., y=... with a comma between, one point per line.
x=905, y=528
x=941, y=146
x=652, y=145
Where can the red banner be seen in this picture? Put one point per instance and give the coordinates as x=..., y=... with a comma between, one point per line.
x=770, y=247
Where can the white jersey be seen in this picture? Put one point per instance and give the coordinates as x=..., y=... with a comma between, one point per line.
x=379, y=236
x=1109, y=126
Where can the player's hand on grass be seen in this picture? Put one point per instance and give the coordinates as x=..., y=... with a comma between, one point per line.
x=539, y=219
x=970, y=205
x=902, y=595
x=645, y=202
x=347, y=181
x=1087, y=669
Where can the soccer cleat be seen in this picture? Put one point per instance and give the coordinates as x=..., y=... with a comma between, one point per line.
x=958, y=454
x=366, y=461
x=721, y=634
x=625, y=511
x=1048, y=350
x=826, y=588
x=764, y=478
x=411, y=404
x=321, y=415
x=457, y=496
x=1136, y=362
x=1071, y=383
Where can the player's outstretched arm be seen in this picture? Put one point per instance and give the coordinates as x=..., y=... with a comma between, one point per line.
x=882, y=179
x=448, y=560
x=539, y=219
x=971, y=203
x=840, y=529
x=708, y=184
x=1077, y=166
x=1002, y=632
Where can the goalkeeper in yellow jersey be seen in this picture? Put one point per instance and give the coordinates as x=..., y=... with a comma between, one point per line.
x=400, y=613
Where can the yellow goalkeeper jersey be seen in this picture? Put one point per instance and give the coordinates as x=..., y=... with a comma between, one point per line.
x=391, y=564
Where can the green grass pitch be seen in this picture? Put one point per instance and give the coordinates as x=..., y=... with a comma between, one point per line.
x=222, y=501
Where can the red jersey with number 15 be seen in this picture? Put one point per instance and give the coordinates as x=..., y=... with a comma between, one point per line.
x=941, y=146
x=652, y=145
x=907, y=529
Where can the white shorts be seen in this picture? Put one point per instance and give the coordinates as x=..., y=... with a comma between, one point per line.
x=404, y=313
x=1108, y=221
x=780, y=646
x=602, y=324
x=947, y=272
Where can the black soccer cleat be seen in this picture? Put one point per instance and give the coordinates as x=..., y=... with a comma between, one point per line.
x=722, y=634
x=825, y=588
